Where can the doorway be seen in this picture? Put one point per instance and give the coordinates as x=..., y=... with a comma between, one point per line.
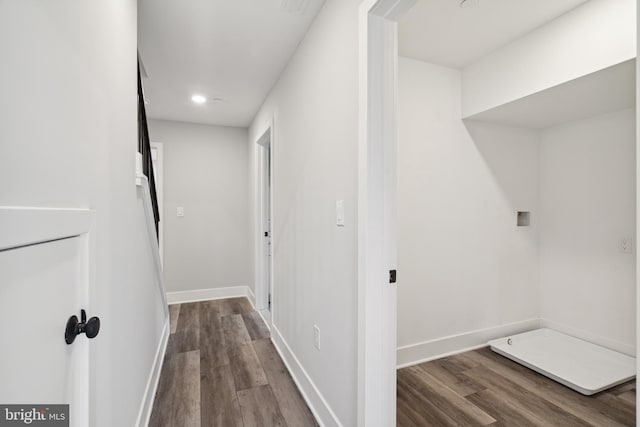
x=264, y=270
x=377, y=288
x=377, y=236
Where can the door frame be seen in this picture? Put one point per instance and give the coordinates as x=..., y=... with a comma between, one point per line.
x=264, y=262
x=377, y=134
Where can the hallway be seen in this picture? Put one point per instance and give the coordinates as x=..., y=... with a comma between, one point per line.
x=221, y=369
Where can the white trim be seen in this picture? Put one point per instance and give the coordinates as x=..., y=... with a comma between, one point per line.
x=252, y=297
x=145, y=194
x=252, y=300
x=376, y=211
x=637, y=254
x=261, y=259
x=260, y=219
x=21, y=226
x=144, y=414
x=588, y=336
x=158, y=174
x=315, y=400
x=272, y=198
x=139, y=172
x=196, y=295
x=265, y=318
x=442, y=347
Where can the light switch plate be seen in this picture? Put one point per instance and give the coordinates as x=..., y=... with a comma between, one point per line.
x=180, y=211
x=340, y=213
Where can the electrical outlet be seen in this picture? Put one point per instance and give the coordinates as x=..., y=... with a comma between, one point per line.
x=626, y=245
x=316, y=337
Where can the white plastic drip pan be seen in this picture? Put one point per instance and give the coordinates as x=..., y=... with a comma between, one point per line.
x=585, y=367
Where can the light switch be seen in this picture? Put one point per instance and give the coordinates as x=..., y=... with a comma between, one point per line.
x=180, y=211
x=340, y=213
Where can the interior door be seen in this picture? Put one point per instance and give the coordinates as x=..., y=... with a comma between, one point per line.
x=41, y=285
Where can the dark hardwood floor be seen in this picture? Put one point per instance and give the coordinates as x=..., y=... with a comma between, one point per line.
x=480, y=388
x=221, y=369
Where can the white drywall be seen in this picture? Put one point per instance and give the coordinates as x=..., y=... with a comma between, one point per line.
x=206, y=172
x=315, y=111
x=595, y=35
x=68, y=138
x=637, y=257
x=587, y=205
x=463, y=265
x=601, y=92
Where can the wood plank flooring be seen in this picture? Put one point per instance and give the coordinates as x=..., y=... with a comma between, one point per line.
x=482, y=388
x=221, y=369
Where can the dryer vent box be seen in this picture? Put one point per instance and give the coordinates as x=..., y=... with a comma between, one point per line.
x=523, y=218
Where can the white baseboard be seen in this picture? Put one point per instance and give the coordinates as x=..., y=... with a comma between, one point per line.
x=144, y=414
x=252, y=300
x=252, y=297
x=181, y=297
x=319, y=407
x=447, y=346
x=587, y=336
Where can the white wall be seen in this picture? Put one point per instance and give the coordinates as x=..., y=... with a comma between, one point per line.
x=68, y=138
x=463, y=264
x=206, y=172
x=315, y=105
x=595, y=35
x=587, y=205
x=637, y=257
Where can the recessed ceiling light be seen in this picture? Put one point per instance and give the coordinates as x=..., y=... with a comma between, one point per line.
x=199, y=99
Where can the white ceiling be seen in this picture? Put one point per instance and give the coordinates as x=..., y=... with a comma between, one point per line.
x=604, y=91
x=229, y=49
x=441, y=32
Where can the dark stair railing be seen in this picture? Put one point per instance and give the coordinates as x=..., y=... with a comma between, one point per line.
x=144, y=148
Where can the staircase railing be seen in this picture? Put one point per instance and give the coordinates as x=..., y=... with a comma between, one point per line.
x=144, y=148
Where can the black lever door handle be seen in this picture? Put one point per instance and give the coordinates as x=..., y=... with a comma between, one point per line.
x=75, y=327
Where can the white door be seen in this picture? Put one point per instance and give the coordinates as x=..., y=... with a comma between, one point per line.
x=44, y=279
